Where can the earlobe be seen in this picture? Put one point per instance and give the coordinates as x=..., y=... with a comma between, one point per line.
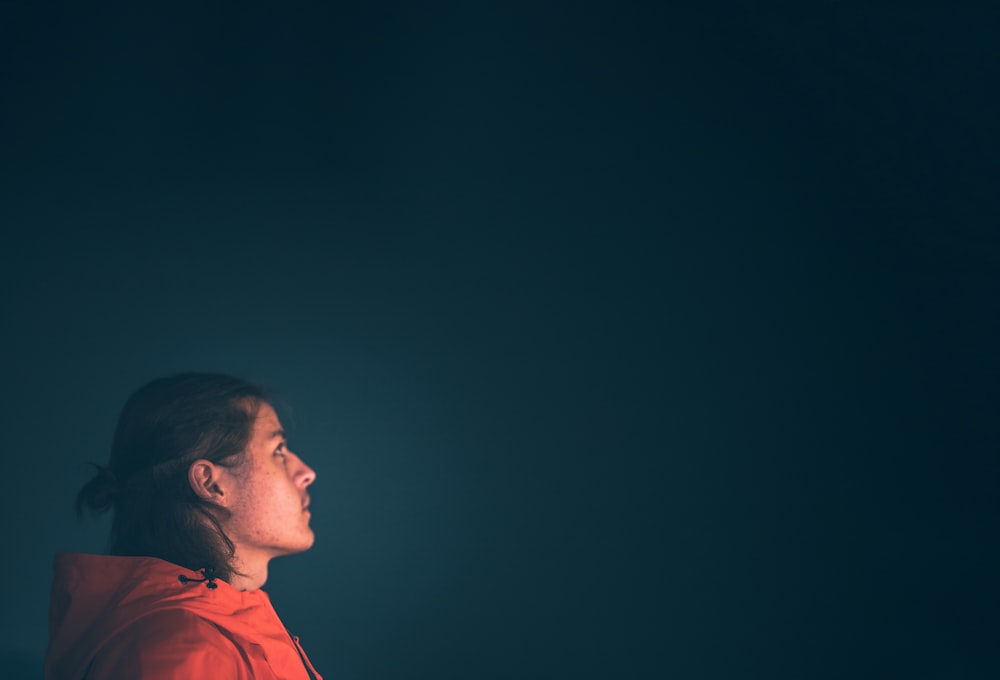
x=204, y=477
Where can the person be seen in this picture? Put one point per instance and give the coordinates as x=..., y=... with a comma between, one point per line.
x=204, y=492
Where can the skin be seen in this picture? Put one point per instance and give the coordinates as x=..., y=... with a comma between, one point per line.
x=266, y=497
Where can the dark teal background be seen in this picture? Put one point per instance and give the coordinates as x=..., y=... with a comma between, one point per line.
x=626, y=342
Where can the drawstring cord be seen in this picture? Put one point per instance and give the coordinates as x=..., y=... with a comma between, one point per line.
x=302, y=655
x=209, y=579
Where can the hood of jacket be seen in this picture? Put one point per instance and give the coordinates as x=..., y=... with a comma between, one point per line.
x=96, y=597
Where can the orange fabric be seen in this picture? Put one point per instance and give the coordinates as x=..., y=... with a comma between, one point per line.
x=131, y=617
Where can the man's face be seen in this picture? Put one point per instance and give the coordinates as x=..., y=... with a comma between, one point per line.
x=269, y=515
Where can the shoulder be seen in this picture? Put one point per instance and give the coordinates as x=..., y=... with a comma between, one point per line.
x=171, y=643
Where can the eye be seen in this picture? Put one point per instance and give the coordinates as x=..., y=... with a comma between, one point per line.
x=280, y=451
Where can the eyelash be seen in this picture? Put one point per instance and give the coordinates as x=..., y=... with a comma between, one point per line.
x=280, y=451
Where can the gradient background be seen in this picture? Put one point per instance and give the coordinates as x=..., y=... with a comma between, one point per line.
x=626, y=342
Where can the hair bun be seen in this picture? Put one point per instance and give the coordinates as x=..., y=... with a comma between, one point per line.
x=101, y=492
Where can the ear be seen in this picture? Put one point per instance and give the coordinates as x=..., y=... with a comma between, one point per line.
x=208, y=481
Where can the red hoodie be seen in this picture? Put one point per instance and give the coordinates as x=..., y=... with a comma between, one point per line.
x=132, y=617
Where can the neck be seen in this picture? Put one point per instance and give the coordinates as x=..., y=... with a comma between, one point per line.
x=252, y=571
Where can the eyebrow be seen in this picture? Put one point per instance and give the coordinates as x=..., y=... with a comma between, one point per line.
x=278, y=433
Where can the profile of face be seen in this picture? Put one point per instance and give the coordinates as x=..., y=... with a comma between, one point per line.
x=267, y=495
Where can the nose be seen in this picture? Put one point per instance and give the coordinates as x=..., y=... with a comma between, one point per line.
x=306, y=474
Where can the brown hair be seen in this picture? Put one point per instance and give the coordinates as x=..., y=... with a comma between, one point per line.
x=164, y=427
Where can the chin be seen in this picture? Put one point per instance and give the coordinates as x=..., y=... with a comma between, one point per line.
x=307, y=542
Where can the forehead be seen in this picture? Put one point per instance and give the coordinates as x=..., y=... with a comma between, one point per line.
x=266, y=425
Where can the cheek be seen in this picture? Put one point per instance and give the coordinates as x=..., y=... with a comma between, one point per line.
x=271, y=494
